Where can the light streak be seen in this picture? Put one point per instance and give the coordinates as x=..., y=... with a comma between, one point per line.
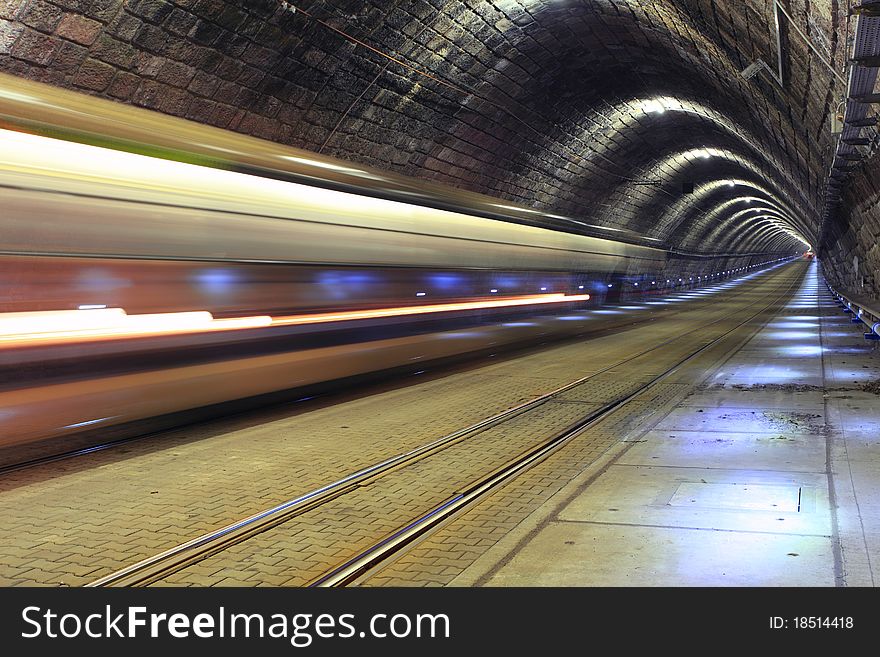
x=61, y=326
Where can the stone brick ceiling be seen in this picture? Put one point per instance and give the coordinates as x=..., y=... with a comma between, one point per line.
x=598, y=109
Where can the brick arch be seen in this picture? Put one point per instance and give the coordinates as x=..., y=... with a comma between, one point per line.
x=560, y=69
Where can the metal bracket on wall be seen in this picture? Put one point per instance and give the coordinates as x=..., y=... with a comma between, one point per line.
x=778, y=75
x=859, y=98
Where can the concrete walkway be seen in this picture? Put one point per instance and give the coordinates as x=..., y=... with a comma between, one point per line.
x=767, y=474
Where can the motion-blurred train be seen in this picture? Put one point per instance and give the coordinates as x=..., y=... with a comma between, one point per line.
x=151, y=265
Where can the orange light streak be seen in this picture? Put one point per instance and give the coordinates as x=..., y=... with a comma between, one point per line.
x=51, y=327
x=64, y=326
x=426, y=309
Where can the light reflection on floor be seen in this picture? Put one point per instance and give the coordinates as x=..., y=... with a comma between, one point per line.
x=802, y=350
x=670, y=298
x=838, y=334
x=793, y=325
x=848, y=350
x=791, y=335
x=753, y=473
x=843, y=375
x=766, y=374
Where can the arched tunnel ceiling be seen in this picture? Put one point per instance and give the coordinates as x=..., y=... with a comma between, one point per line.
x=590, y=108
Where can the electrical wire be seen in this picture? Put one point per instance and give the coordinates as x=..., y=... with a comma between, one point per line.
x=809, y=43
x=458, y=88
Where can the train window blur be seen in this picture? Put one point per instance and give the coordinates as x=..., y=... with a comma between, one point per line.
x=155, y=286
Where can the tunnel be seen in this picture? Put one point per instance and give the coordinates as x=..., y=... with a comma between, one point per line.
x=439, y=293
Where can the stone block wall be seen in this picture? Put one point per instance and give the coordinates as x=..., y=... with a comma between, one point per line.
x=541, y=103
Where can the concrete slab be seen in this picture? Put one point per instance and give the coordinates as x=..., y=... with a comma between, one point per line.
x=760, y=395
x=782, y=338
x=741, y=419
x=733, y=486
x=745, y=496
x=768, y=372
x=840, y=374
x=801, y=349
x=694, y=449
x=586, y=554
x=783, y=360
x=858, y=415
x=732, y=500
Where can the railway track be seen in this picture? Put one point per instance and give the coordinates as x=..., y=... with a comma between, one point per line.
x=74, y=453
x=572, y=414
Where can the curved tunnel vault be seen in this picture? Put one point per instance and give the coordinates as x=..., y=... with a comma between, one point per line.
x=602, y=109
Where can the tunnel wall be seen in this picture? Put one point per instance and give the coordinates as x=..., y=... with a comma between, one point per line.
x=164, y=56
x=850, y=253
x=691, y=271
x=256, y=68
